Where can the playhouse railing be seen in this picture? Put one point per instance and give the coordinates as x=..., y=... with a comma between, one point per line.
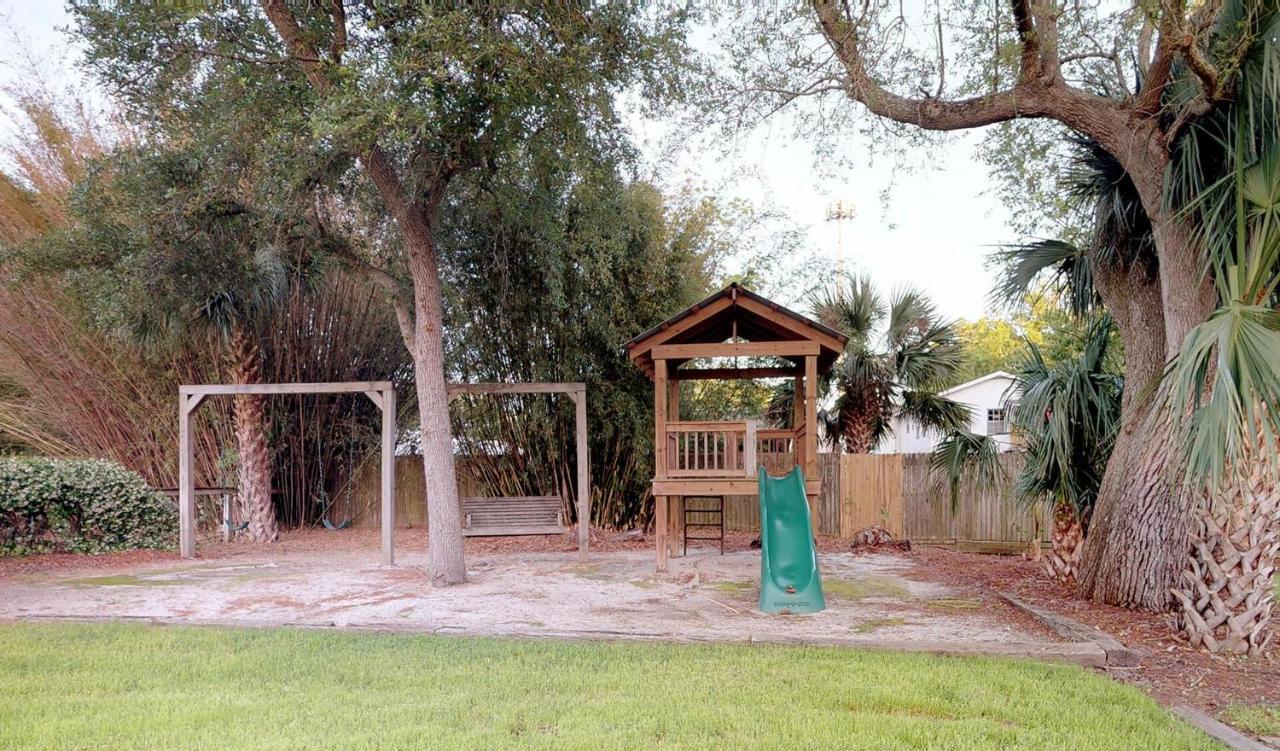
x=722, y=448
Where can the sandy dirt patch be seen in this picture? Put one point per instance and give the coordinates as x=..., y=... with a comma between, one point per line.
x=321, y=580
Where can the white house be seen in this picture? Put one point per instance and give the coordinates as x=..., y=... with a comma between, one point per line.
x=987, y=398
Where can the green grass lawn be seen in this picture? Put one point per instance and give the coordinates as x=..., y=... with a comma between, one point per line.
x=111, y=687
x=1258, y=719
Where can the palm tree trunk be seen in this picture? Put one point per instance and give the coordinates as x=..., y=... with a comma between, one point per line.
x=1228, y=588
x=859, y=411
x=1063, y=562
x=254, y=468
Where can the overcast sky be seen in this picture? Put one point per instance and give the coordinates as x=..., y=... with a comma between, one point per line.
x=934, y=230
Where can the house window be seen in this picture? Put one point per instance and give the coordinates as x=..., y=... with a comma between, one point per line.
x=997, y=421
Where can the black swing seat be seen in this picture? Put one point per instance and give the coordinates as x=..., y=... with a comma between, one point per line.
x=335, y=527
x=513, y=515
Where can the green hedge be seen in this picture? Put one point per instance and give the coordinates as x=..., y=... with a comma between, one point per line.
x=81, y=506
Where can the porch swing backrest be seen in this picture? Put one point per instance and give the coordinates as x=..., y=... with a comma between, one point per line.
x=513, y=515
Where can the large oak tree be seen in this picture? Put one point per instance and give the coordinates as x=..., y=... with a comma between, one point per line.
x=1130, y=78
x=380, y=107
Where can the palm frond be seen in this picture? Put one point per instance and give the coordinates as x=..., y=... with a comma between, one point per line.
x=852, y=306
x=1068, y=415
x=962, y=455
x=930, y=410
x=1062, y=268
x=1223, y=388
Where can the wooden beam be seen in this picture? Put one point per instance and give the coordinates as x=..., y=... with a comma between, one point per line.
x=811, y=417
x=811, y=432
x=454, y=389
x=381, y=393
x=802, y=328
x=736, y=349
x=722, y=486
x=660, y=418
x=684, y=324
x=341, y=387
x=733, y=374
x=584, y=473
x=675, y=523
x=388, y=407
x=193, y=401
x=660, y=530
x=186, y=482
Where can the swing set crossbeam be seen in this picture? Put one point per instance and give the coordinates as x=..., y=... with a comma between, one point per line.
x=381, y=393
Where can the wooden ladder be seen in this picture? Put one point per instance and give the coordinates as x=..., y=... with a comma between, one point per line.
x=717, y=510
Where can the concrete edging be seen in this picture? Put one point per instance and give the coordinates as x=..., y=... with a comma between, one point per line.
x=1117, y=654
x=1084, y=654
x=1219, y=731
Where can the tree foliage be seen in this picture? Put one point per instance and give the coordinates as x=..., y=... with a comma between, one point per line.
x=1068, y=414
x=899, y=353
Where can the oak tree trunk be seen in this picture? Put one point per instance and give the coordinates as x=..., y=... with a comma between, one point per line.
x=254, y=467
x=1138, y=537
x=412, y=208
x=445, y=564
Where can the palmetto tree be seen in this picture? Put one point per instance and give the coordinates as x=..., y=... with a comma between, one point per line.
x=899, y=355
x=230, y=314
x=1218, y=394
x=1222, y=398
x=1068, y=414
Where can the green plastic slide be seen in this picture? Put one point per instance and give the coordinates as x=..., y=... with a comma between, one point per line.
x=789, y=581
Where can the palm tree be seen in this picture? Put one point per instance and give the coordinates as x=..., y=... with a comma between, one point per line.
x=1067, y=414
x=230, y=313
x=1221, y=397
x=899, y=355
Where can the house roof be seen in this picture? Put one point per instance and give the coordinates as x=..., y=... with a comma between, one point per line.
x=736, y=311
x=993, y=375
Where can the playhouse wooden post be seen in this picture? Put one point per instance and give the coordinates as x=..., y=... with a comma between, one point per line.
x=811, y=432
x=660, y=503
x=675, y=514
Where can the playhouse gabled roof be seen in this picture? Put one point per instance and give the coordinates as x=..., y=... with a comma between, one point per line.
x=736, y=310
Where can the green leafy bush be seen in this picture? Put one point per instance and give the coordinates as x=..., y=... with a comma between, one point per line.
x=81, y=506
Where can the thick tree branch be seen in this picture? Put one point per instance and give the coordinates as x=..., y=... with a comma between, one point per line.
x=1161, y=67
x=1029, y=62
x=1103, y=119
x=412, y=217
x=932, y=114
x=339, y=43
x=1044, y=15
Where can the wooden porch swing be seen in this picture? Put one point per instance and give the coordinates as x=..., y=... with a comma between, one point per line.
x=493, y=516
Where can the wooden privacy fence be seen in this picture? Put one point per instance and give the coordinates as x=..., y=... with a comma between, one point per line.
x=411, y=490
x=858, y=491
x=896, y=492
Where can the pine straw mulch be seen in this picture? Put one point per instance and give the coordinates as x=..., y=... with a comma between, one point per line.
x=1171, y=671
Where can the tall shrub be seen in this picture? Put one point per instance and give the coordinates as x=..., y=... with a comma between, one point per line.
x=81, y=506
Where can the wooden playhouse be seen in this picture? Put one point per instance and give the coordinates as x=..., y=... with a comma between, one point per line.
x=719, y=459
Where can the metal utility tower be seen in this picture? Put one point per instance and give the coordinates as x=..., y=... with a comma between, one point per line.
x=839, y=211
